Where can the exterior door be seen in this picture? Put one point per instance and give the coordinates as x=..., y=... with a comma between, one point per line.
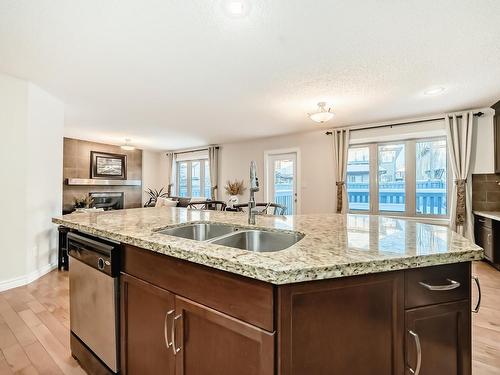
x=147, y=315
x=443, y=332
x=211, y=343
x=282, y=181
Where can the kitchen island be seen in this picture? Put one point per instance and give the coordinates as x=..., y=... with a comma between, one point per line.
x=358, y=294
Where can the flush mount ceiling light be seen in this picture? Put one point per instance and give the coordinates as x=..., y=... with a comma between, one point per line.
x=127, y=146
x=434, y=91
x=322, y=114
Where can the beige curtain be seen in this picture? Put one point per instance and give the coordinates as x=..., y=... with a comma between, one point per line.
x=459, y=133
x=340, y=149
x=213, y=163
x=173, y=173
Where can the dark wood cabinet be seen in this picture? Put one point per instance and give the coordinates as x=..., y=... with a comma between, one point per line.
x=212, y=343
x=443, y=334
x=487, y=235
x=176, y=319
x=350, y=326
x=145, y=324
x=496, y=128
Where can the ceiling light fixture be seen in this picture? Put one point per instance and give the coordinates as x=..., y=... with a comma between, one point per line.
x=322, y=114
x=434, y=91
x=237, y=8
x=127, y=146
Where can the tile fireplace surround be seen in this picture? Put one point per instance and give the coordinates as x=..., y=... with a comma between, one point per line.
x=77, y=165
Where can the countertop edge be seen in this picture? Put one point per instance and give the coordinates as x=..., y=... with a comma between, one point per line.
x=286, y=276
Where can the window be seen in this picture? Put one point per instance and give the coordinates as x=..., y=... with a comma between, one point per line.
x=431, y=177
x=358, y=178
x=391, y=178
x=193, y=178
x=407, y=178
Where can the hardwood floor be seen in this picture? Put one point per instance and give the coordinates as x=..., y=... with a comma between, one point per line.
x=34, y=327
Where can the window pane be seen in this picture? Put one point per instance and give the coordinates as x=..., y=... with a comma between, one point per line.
x=358, y=178
x=195, y=179
x=431, y=177
x=283, y=183
x=208, y=188
x=391, y=177
x=183, y=179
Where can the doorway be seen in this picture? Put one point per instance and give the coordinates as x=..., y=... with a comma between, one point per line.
x=282, y=179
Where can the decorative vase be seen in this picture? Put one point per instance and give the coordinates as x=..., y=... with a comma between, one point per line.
x=233, y=199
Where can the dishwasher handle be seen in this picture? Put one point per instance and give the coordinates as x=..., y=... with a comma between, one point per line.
x=94, y=253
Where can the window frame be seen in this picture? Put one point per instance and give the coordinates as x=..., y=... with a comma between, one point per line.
x=189, y=165
x=410, y=179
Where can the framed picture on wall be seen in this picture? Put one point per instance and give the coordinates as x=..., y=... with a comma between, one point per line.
x=108, y=166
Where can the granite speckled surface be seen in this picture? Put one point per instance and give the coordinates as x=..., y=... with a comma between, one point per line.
x=334, y=245
x=494, y=215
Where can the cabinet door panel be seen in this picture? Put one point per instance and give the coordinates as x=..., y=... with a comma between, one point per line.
x=212, y=343
x=144, y=309
x=344, y=326
x=444, y=334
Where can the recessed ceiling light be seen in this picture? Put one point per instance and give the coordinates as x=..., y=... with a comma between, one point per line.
x=237, y=8
x=434, y=91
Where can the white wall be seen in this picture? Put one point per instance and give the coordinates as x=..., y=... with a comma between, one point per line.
x=483, y=158
x=317, y=167
x=13, y=120
x=31, y=123
x=316, y=149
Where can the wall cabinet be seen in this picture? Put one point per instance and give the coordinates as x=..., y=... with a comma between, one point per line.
x=176, y=320
x=496, y=127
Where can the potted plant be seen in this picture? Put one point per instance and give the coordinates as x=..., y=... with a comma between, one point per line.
x=82, y=202
x=233, y=189
x=154, y=195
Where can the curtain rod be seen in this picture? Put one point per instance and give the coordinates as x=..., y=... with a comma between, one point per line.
x=188, y=151
x=477, y=114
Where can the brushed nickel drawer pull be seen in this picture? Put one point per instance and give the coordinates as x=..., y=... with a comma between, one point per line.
x=419, y=354
x=165, y=328
x=175, y=349
x=452, y=285
x=478, y=304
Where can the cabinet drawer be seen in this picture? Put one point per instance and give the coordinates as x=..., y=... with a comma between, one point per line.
x=438, y=284
x=484, y=221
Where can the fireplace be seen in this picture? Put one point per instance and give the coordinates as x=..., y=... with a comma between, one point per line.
x=108, y=200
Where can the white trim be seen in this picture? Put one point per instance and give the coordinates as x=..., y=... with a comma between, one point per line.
x=26, y=279
x=298, y=185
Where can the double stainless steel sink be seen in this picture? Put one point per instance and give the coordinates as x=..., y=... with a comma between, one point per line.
x=237, y=237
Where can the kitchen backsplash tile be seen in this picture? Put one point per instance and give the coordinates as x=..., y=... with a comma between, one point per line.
x=486, y=192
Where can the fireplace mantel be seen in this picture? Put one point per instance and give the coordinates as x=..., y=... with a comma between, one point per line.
x=101, y=182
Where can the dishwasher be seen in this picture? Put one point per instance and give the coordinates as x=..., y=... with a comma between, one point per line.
x=94, y=269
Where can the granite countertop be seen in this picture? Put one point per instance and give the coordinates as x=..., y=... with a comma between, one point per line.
x=494, y=215
x=334, y=245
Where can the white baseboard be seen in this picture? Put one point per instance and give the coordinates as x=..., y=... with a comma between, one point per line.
x=26, y=279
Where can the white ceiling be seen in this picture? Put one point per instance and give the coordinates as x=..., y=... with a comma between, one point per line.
x=171, y=74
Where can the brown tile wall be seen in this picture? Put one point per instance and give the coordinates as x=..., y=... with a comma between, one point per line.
x=486, y=192
x=76, y=164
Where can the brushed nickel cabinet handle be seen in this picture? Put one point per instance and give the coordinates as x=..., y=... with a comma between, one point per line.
x=416, y=371
x=478, y=304
x=452, y=285
x=175, y=349
x=165, y=328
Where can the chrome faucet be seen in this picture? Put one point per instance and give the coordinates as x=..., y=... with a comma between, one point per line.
x=254, y=187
